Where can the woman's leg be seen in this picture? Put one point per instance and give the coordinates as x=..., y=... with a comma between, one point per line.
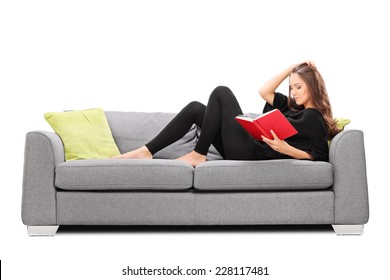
x=191, y=114
x=219, y=121
x=218, y=128
x=178, y=127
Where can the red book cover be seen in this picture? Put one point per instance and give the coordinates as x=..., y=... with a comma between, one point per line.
x=263, y=124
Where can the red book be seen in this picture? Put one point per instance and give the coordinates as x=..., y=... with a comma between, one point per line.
x=263, y=124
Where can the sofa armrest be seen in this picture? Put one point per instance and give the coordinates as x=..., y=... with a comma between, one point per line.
x=347, y=154
x=43, y=152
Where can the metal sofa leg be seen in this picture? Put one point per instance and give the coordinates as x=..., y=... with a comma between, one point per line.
x=348, y=229
x=42, y=230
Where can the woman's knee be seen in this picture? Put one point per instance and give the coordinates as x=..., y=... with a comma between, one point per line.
x=196, y=106
x=194, y=109
x=222, y=89
x=221, y=93
x=195, y=112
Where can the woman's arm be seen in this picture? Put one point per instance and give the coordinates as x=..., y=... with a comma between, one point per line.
x=284, y=148
x=268, y=89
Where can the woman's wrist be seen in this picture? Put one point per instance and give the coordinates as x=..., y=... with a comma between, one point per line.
x=297, y=153
x=293, y=66
x=289, y=70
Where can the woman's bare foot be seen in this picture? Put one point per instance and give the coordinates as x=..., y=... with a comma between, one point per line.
x=140, y=153
x=193, y=158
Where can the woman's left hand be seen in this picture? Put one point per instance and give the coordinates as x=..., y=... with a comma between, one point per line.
x=277, y=144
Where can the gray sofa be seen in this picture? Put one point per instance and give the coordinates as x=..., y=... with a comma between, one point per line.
x=169, y=192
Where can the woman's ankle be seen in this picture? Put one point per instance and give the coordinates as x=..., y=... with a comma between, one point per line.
x=145, y=152
x=140, y=153
x=194, y=158
x=198, y=155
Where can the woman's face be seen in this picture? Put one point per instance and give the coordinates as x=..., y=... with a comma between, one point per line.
x=299, y=91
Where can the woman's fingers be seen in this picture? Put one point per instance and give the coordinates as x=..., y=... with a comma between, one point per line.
x=274, y=135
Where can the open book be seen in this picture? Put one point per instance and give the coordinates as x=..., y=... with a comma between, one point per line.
x=263, y=124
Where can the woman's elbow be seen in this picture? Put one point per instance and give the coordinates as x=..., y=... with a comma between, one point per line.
x=268, y=96
x=262, y=92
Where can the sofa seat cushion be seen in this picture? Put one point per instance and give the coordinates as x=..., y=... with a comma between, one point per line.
x=124, y=174
x=286, y=174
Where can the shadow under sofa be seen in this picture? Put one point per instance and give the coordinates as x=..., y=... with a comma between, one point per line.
x=168, y=192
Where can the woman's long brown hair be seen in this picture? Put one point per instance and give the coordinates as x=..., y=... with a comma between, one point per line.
x=319, y=95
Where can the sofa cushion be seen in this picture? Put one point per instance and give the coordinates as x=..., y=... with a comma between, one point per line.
x=283, y=174
x=124, y=174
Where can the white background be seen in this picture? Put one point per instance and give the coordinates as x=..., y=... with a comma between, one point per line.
x=157, y=56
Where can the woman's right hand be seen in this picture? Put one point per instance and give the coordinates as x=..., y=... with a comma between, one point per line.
x=308, y=62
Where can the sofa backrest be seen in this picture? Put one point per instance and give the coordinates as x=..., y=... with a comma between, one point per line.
x=132, y=130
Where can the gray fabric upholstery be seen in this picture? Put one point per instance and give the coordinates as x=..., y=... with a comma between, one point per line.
x=195, y=207
x=314, y=207
x=350, y=178
x=125, y=208
x=132, y=130
x=263, y=175
x=43, y=151
x=122, y=174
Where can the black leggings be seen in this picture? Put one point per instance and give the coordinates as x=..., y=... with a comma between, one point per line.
x=218, y=127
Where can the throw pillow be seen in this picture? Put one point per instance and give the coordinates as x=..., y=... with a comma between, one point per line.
x=85, y=134
x=341, y=123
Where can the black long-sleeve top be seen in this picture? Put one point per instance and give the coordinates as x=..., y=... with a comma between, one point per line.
x=312, y=136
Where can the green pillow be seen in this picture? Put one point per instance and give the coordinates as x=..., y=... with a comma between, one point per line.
x=85, y=134
x=341, y=123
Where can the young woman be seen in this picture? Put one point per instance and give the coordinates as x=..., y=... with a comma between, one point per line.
x=307, y=108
